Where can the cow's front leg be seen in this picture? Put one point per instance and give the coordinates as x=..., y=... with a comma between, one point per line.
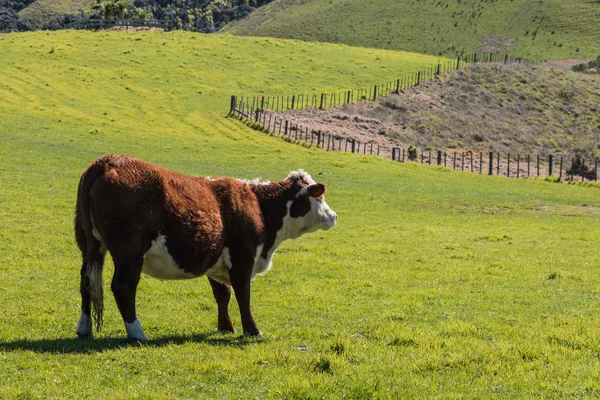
x=222, y=295
x=240, y=275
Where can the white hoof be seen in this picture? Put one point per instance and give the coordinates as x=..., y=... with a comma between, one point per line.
x=84, y=327
x=135, y=331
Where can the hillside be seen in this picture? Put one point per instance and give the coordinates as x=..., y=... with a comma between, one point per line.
x=517, y=109
x=434, y=284
x=550, y=29
x=51, y=13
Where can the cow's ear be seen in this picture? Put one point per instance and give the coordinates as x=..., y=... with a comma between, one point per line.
x=314, y=191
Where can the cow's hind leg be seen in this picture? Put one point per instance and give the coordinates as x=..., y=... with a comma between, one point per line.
x=93, y=262
x=124, y=287
x=222, y=295
x=84, y=325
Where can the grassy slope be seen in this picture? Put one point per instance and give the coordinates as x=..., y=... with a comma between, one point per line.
x=516, y=109
x=450, y=27
x=434, y=284
x=41, y=13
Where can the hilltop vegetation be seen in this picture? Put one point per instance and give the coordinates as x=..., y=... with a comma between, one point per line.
x=197, y=15
x=535, y=30
x=434, y=283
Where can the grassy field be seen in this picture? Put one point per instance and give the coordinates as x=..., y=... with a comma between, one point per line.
x=435, y=284
x=535, y=30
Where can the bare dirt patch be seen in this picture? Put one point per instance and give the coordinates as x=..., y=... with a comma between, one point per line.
x=521, y=110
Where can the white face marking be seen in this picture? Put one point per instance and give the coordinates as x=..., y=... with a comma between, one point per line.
x=159, y=264
x=135, y=331
x=325, y=214
x=84, y=325
x=320, y=216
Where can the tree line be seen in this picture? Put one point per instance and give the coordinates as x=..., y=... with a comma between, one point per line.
x=196, y=15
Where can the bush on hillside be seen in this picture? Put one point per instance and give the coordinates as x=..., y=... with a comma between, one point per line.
x=9, y=19
x=591, y=67
x=579, y=168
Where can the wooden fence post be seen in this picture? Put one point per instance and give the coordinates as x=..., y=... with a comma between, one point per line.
x=508, y=166
x=233, y=104
x=285, y=130
x=550, y=165
x=491, y=166
x=596, y=170
x=560, y=169
x=572, y=168
x=498, y=164
x=471, y=161
x=439, y=157
x=480, y=162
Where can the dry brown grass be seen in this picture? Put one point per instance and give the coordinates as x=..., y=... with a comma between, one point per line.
x=517, y=109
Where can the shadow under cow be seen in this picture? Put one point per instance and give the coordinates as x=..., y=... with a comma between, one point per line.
x=78, y=346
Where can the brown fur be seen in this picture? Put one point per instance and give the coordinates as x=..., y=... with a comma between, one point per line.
x=129, y=202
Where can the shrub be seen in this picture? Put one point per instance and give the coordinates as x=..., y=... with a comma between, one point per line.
x=591, y=67
x=579, y=168
x=412, y=153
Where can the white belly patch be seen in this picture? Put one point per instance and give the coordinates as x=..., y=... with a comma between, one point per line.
x=220, y=271
x=159, y=264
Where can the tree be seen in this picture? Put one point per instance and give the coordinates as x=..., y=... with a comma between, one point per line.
x=8, y=20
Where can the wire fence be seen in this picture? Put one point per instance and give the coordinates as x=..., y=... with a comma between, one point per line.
x=250, y=104
x=98, y=24
x=510, y=165
x=260, y=113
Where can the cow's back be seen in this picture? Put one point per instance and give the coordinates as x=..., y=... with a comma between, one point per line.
x=138, y=204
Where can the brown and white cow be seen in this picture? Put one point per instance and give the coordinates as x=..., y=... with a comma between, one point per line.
x=174, y=226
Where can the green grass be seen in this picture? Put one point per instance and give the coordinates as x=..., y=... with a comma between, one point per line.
x=552, y=29
x=434, y=284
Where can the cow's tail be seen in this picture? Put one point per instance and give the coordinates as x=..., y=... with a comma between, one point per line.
x=91, y=246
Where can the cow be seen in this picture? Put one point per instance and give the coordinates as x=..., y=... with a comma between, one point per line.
x=174, y=226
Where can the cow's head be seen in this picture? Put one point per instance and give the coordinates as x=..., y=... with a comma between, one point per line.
x=308, y=210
